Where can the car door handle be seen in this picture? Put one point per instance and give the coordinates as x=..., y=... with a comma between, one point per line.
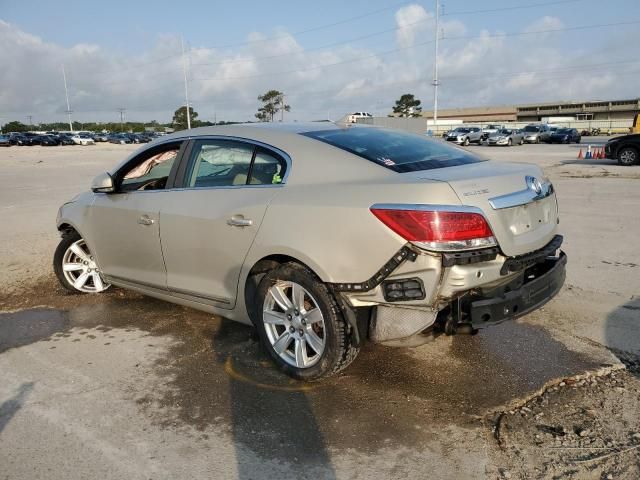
x=239, y=221
x=145, y=220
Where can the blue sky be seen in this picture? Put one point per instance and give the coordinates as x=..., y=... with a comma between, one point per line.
x=134, y=26
x=115, y=54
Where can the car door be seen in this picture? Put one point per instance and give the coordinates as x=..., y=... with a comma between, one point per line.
x=124, y=230
x=209, y=225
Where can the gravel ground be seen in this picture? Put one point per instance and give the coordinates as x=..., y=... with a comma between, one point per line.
x=123, y=386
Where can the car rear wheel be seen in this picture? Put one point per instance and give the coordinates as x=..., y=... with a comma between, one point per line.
x=75, y=266
x=628, y=156
x=301, y=325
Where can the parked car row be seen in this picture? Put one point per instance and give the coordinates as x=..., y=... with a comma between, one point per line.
x=66, y=138
x=500, y=135
x=123, y=138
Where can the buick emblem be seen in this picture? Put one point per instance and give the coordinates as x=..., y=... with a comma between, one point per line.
x=533, y=184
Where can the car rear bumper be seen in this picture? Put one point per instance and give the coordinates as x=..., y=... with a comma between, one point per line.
x=529, y=291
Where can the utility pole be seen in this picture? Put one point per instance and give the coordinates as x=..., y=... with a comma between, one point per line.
x=435, y=70
x=282, y=108
x=122, y=110
x=66, y=94
x=186, y=85
x=30, y=117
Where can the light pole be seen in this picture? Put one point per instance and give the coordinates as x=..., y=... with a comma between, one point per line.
x=435, y=82
x=122, y=110
x=66, y=94
x=186, y=85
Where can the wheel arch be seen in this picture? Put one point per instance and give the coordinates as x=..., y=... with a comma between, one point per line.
x=66, y=227
x=260, y=267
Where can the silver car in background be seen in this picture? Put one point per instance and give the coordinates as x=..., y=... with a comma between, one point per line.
x=408, y=238
x=464, y=135
x=534, y=133
x=506, y=137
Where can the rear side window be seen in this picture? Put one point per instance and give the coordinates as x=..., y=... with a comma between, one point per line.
x=267, y=168
x=396, y=150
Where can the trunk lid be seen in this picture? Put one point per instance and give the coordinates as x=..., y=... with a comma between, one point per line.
x=519, y=229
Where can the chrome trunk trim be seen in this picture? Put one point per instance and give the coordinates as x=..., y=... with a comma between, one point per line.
x=535, y=191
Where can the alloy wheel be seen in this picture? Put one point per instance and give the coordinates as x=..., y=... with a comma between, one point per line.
x=628, y=156
x=81, y=270
x=294, y=324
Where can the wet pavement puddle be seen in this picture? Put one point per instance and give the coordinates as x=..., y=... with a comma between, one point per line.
x=216, y=376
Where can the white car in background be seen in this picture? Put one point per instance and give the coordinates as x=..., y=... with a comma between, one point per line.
x=353, y=118
x=82, y=140
x=491, y=129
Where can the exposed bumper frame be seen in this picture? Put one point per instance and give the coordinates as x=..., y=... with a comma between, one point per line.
x=532, y=294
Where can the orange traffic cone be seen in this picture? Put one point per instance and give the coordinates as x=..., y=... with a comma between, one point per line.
x=580, y=157
x=600, y=154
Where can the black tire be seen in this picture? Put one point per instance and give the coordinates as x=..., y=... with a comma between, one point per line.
x=90, y=271
x=537, y=139
x=628, y=156
x=521, y=142
x=339, y=350
x=509, y=142
x=66, y=241
x=466, y=142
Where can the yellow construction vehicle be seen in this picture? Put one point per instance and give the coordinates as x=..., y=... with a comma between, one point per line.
x=636, y=124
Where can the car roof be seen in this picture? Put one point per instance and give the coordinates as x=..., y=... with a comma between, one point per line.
x=262, y=131
x=286, y=138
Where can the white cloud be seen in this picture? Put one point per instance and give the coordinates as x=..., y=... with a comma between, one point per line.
x=348, y=77
x=545, y=23
x=411, y=20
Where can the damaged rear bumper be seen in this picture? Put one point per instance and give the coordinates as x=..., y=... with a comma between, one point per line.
x=530, y=290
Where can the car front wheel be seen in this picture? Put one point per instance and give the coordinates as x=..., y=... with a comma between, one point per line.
x=301, y=325
x=75, y=266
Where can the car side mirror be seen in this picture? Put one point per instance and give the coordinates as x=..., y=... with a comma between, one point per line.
x=103, y=183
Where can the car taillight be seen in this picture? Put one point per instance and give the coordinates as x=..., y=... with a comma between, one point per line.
x=438, y=229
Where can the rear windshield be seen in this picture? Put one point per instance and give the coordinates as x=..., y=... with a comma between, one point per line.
x=396, y=150
x=531, y=128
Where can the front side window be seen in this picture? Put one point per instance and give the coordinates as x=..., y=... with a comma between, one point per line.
x=151, y=172
x=396, y=150
x=219, y=163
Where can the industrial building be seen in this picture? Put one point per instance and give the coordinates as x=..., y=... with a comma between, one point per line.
x=540, y=112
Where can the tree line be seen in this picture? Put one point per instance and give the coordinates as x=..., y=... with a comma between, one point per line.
x=273, y=102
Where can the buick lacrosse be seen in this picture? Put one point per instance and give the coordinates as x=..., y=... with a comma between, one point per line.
x=321, y=236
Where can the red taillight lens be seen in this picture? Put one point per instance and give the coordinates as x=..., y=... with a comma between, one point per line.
x=434, y=226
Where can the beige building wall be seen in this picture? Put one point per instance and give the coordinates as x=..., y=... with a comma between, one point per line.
x=478, y=114
x=600, y=110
